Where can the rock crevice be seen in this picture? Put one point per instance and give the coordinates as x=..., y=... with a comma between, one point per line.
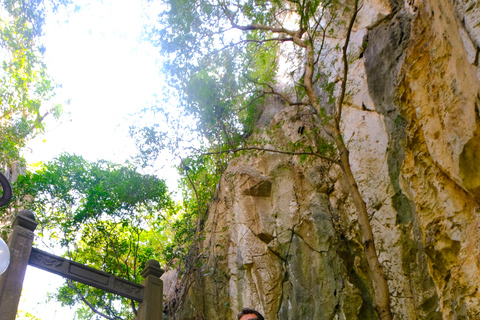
x=282, y=235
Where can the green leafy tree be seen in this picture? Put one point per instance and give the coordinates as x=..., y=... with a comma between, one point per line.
x=104, y=215
x=223, y=57
x=27, y=91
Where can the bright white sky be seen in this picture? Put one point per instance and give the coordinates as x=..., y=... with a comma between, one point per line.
x=107, y=74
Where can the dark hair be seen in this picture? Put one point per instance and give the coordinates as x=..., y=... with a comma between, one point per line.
x=250, y=311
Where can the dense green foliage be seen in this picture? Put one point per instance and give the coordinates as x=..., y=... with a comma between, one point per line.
x=222, y=60
x=220, y=79
x=27, y=92
x=104, y=215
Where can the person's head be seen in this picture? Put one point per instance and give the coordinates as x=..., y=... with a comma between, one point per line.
x=249, y=314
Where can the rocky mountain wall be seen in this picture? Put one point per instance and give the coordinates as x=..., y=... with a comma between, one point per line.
x=282, y=234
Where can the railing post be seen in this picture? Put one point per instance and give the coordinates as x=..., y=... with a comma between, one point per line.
x=11, y=282
x=152, y=306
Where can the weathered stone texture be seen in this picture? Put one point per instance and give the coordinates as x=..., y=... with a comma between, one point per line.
x=282, y=235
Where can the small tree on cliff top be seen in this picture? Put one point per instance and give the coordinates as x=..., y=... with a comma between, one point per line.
x=223, y=57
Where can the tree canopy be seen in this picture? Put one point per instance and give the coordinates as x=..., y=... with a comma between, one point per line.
x=27, y=91
x=104, y=215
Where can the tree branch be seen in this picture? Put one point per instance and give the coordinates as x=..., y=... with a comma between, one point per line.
x=378, y=279
x=265, y=40
x=116, y=257
x=272, y=91
x=291, y=153
x=193, y=187
x=252, y=27
x=71, y=285
x=125, y=261
x=134, y=309
x=338, y=116
x=39, y=120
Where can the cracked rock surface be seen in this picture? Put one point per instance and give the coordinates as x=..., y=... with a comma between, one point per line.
x=282, y=235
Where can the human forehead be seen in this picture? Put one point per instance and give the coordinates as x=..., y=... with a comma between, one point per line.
x=250, y=316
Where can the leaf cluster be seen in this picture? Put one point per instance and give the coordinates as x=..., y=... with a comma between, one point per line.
x=202, y=174
x=104, y=215
x=221, y=62
x=26, y=89
x=80, y=190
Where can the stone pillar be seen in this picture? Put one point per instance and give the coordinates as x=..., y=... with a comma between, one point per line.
x=20, y=245
x=152, y=306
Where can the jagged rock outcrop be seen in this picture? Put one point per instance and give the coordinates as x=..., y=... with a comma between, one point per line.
x=282, y=235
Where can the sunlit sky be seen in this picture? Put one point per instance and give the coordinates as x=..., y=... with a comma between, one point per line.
x=107, y=74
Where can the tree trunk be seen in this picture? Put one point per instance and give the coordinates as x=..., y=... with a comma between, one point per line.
x=379, y=280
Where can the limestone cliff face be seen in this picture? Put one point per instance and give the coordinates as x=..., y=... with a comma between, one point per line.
x=282, y=235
